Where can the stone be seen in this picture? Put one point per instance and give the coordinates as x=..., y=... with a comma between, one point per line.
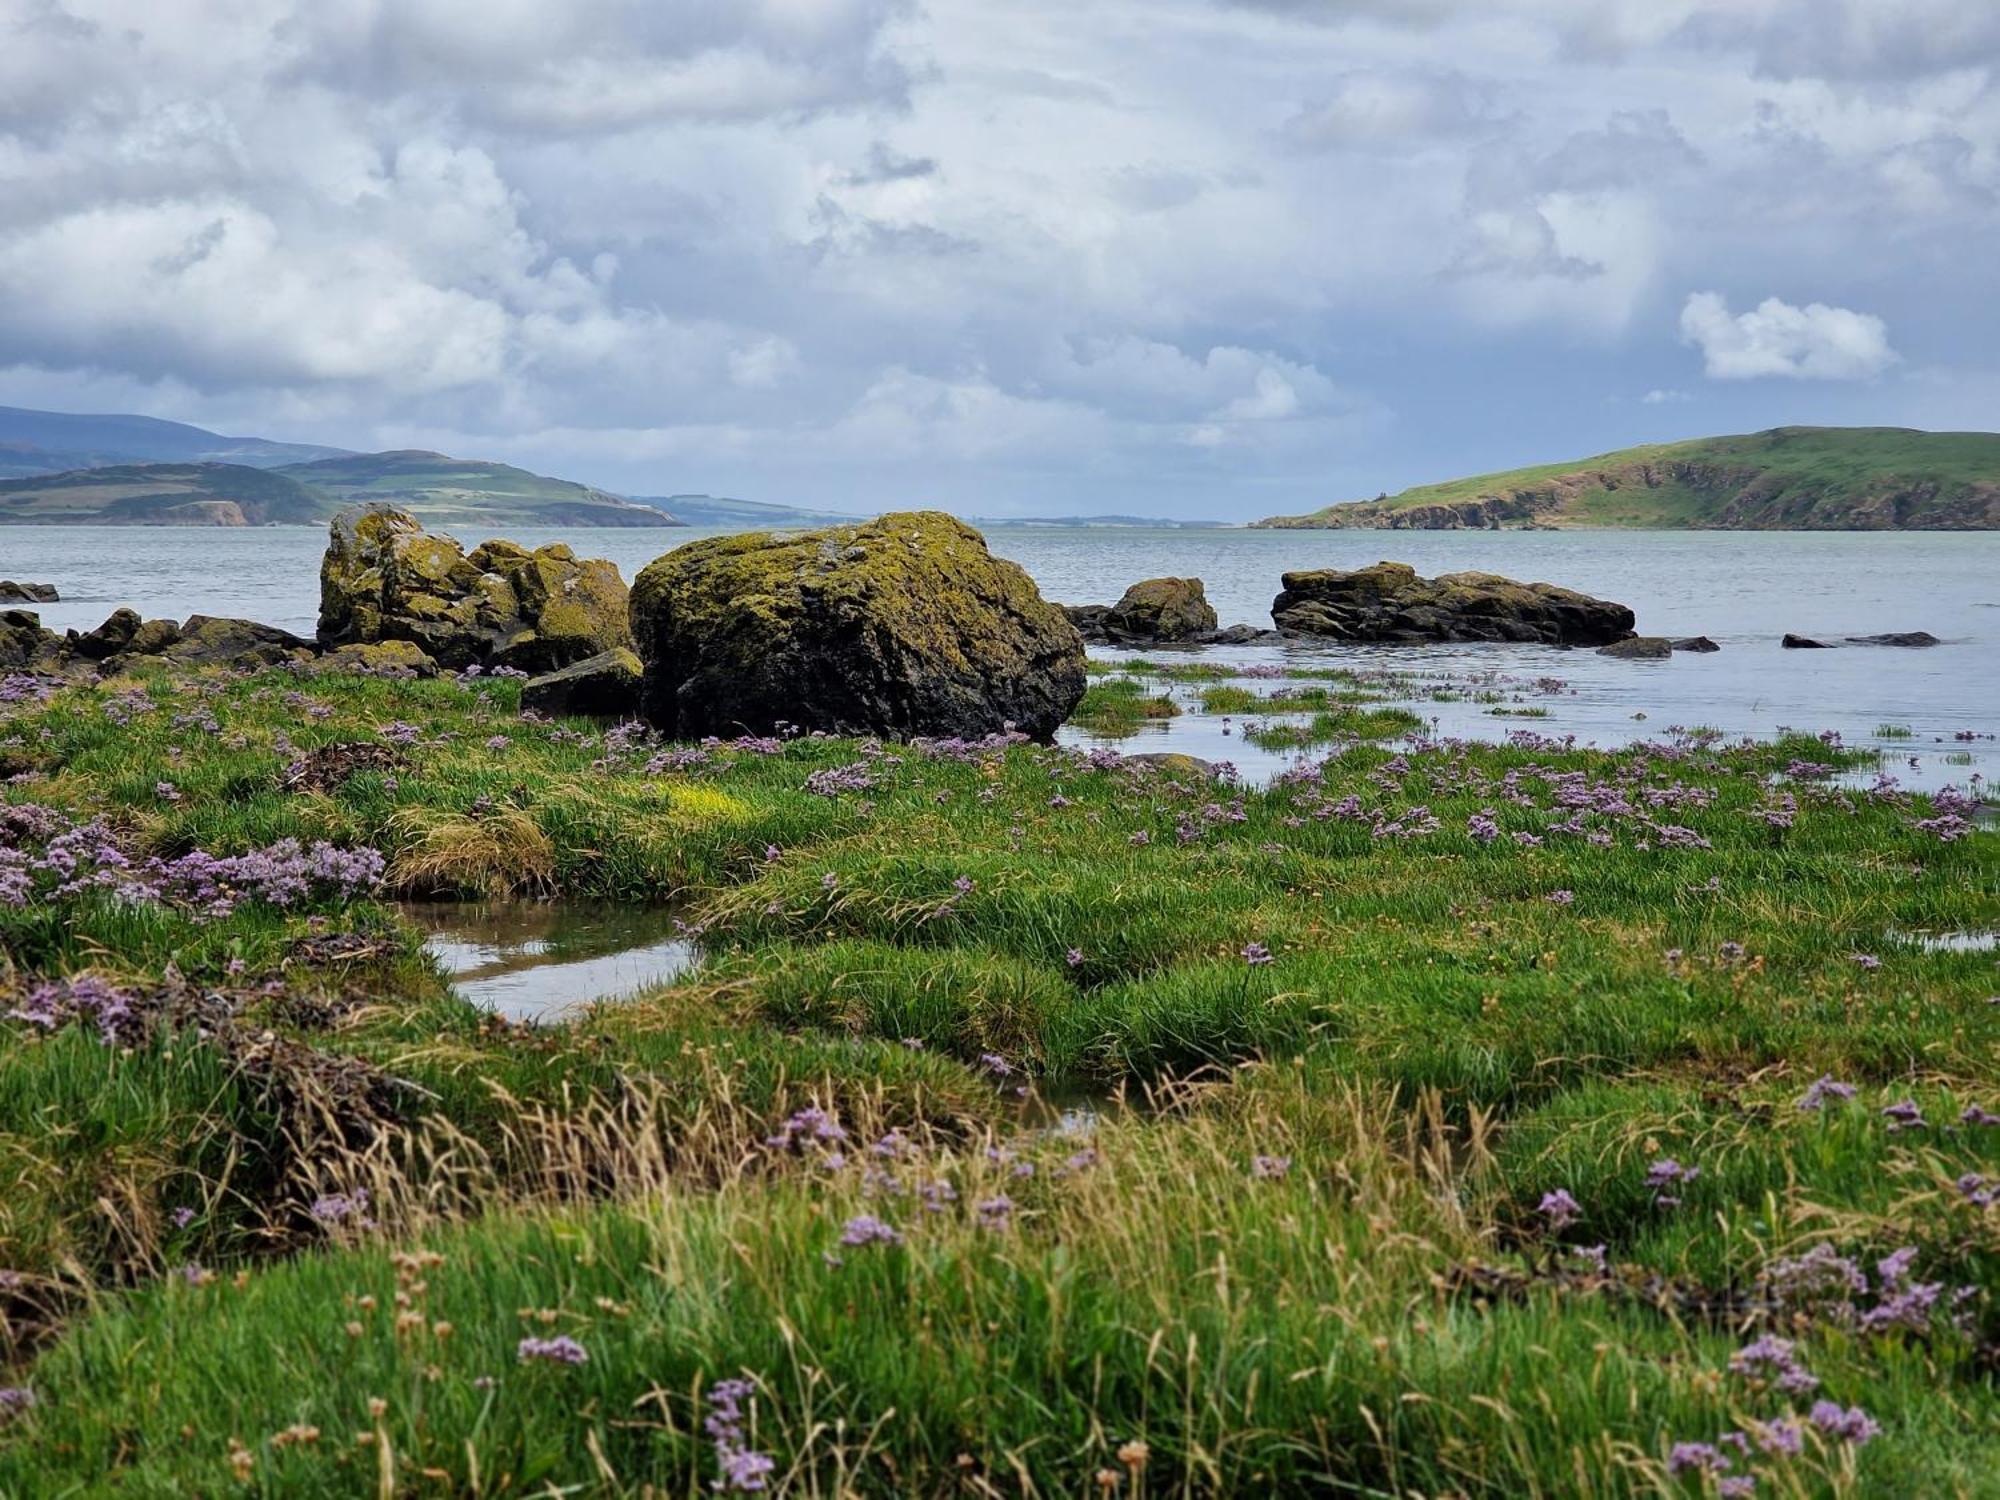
x=385, y=578
x=109, y=639
x=1390, y=603
x=1639, y=648
x=24, y=643
x=1897, y=638
x=152, y=637
x=605, y=686
x=1802, y=643
x=1241, y=635
x=27, y=593
x=215, y=641
x=1174, y=763
x=904, y=625
x=380, y=659
x=1697, y=643
x=1161, y=611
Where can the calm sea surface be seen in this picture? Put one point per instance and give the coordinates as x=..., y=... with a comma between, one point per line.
x=1742, y=589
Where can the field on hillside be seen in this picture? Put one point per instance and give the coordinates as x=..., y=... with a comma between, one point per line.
x=1441, y=1120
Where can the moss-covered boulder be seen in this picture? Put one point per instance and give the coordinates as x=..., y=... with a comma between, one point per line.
x=24, y=643
x=245, y=645
x=381, y=659
x=1390, y=603
x=384, y=578
x=905, y=625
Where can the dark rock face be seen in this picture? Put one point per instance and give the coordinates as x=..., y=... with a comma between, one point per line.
x=603, y=687
x=385, y=578
x=211, y=641
x=24, y=643
x=1897, y=638
x=1802, y=643
x=1390, y=603
x=1155, y=612
x=27, y=593
x=110, y=638
x=1698, y=643
x=903, y=626
x=1639, y=648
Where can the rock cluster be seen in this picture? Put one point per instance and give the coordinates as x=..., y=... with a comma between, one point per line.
x=1390, y=603
x=27, y=593
x=385, y=578
x=905, y=625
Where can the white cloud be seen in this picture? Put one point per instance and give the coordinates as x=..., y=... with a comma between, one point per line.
x=1814, y=342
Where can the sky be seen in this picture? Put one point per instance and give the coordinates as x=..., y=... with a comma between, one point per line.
x=1199, y=258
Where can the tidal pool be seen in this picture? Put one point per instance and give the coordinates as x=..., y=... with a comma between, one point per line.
x=543, y=961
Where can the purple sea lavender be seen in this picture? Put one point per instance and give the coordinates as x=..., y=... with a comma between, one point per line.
x=1972, y=1114
x=742, y=1469
x=1852, y=1425
x=1560, y=1208
x=866, y=1229
x=1256, y=953
x=560, y=1350
x=995, y=1213
x=15, y=1399
x=1775, y=1360
x=1823, y=1088
x=1270, y=1168
x=1667, y=1173
x=1905, y=1114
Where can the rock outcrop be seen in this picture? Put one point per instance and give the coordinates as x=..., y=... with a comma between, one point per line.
x=1897, y=638
x=381, y=659
x=904, y=625
x=1802, y=643
x=216, y=641
x=385, y=578
x=27, y=593
x=1155, y=612
x=1390, y=603
x=1639, y=648
x=24, y=644
x=1700, y=644
x=602, y=687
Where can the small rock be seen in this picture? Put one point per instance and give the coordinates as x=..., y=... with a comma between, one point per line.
x=216, y=641
x=1639, y=648
x=1696, y=643
x=605, y=686
x=1803, y=643
x=379, y=658
x=1897, y=638
x=27, y=593
x=1174, y=763
x=23, y=641
x=110, y=638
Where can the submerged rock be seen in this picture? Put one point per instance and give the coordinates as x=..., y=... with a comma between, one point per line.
x=213, y=641
x=904, y=625
x=1639, y=648
x=384, y=578
x=1241, y=635
x=27, y=593
x=605, y=686
x=1390, y=603
x=1802, y=643
x=1897, y=638
x=1697, y=643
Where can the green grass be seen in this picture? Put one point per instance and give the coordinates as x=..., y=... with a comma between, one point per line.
x=1788, y=477
x=1118, y=707
x=1452, y=1023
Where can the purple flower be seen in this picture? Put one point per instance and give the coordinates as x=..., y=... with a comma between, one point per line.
x=866, y=1229
x=1697, y=1458
x=560, y=1350
x=1270, y=1168
x=1560, y=1208
x=1972, y=1114
x=1977, y=1191
x=1867, y=960
x=337, y=1208
x=1666, y=1173
x=183, y=1216
x=1482, y=827
x=742, y=1469
x=1823, y=1088
x=1851, y=1425
x=1073, y=957
x=1776, y=1360
x=1904, y=1114
x=1255, y=954
x=1560, y=898
x=995, y=1213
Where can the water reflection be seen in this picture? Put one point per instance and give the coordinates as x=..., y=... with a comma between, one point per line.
x=542, y=961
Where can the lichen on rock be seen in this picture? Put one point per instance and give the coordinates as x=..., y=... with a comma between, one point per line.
x=1389, y=602
x=905, y=625
x=384, y=578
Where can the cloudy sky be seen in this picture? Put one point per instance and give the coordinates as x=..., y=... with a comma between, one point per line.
x=1195, y=257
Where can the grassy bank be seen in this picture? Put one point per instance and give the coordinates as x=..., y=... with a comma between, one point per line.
x=1462, y=1120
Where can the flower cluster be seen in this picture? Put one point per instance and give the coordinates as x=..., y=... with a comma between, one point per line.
x=741, y=1468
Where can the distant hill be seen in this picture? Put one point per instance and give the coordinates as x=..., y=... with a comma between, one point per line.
x=52, y=442
x=717, y=510
x=471, y=493
x=1787, y=479
x=164, y=495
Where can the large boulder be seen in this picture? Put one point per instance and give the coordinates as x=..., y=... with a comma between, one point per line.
x=1159, y=611
x=1390, y=603
x=384, y=578
x=905, y=625
x=24, y=643
x=600, y=687
x=380, y=659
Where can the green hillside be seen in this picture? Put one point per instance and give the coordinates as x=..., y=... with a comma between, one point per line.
x=447, y=492
x=1790, y=478
x=164, y=495
x=719, y=510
